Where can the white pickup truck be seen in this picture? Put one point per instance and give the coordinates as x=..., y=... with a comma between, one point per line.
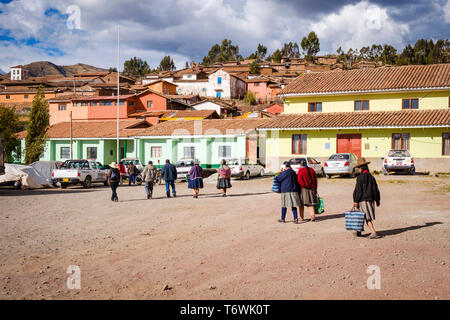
x=83, y=172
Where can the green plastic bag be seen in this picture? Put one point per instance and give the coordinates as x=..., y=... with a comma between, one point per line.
x=319, y=208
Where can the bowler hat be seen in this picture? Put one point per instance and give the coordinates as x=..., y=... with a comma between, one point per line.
x=361, y=162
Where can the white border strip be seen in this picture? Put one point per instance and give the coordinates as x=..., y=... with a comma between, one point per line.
x=353, y=128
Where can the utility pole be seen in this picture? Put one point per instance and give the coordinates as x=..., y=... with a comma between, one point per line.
x=71, y=142
x=118, y=81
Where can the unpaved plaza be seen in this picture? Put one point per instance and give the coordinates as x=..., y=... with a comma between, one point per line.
x=223, y=248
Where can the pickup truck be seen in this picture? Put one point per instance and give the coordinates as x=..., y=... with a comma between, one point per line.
x=83, y=172
x=244, y=168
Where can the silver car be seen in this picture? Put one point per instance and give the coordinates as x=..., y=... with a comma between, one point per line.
x=312, y=163
x=183, y=167
x=341, y=164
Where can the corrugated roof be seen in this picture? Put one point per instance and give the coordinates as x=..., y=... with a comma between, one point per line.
x=362, y=119
x=384, y=78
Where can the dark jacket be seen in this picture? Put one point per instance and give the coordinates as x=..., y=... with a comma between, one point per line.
x=304, y=179
x=366, y=188
x=169, y=172
x=288, y=181
x=117, y=177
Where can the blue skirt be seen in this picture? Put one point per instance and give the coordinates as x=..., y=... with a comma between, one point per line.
x=195, y=184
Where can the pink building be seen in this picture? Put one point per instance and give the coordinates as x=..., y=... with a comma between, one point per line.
x=264, y=89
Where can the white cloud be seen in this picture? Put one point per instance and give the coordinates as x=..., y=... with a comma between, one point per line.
x=446, y=9
x=362, y=24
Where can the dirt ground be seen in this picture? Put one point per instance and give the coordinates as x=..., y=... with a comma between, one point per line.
x=223, y=248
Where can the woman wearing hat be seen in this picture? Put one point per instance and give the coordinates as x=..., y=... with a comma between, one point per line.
x=223, y=177
x=195, y=181
x=289, y=193
x=366, y=195
x=307, y=179
x=114, y=179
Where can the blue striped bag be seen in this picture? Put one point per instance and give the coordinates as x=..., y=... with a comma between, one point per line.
x=276, y=187
x=354, y=220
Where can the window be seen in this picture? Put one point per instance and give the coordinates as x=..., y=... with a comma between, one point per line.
x=84, y=103
x=75, y=104
x=410, y=104
x=446, y=144
x=121, y=102
x=189, y=152
x=7, y=97
x=315, y=107
x=106, y=103
x=299, y=143
x=61, y=107
x=25, y=96
x=156, y=152
x=219, y=80
x=189, y=76
x=94, y=165
x=131, y=103
x=65, y=152
x=218, y=94
x=149, y=104
x=362, y=105
x=92, y=152
x=93, y=103
x=400, y=141
x=224, y=152
x=256, y=84
x=203, y=89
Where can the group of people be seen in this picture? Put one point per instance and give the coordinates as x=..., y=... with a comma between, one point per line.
x=169, y=175
x=129, y=171
x=300, y=190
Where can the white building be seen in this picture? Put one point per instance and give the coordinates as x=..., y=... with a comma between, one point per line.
x=18, y=73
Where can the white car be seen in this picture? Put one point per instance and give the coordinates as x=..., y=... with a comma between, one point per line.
x=398, y=161
x=84, y=172
x=295, y=165
x=183, y=167
x=341, y=164
x=245, y=168
x=135, y=161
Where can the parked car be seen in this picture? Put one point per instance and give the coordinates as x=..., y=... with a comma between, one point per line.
x=84, y=172
x=341, y=164
x=183, y=167
x=398, y=161
x=135, y=161
x=244, y=168
x=295, y=165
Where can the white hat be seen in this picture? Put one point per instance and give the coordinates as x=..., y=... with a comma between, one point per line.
x=113, y=165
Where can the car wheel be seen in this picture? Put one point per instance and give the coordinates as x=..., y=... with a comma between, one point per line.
x=247, y=175
x=353, y=174
x=328, y=176
x=322, y=173
x=87, y=182
x=261, y=173
x=63, y=185
x=413, y=171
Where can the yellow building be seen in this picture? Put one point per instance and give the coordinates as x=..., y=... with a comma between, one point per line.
x=366, y=112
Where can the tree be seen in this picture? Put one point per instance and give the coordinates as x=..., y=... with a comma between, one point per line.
x=311, y=45
x=259, y=54
x=112, y=69
x=167, y=64
x=255, y=68
x=290, y=50
x=222, y=53
x=9, y=126
x=136, y=67
x=275, y=57
x=37, y=127
x=250, y=98
x=389, y=54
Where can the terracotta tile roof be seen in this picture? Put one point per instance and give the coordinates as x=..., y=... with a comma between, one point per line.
x=360, y=80
x=219, y=102
x=84, y=98
x=202, y=127
x=179, y=114
x=362, y=119
x=93, y=129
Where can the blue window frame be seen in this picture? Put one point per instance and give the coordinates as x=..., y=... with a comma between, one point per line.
x=218, y=94
x=219, y=80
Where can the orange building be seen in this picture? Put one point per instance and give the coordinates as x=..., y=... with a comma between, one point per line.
x=162, y=86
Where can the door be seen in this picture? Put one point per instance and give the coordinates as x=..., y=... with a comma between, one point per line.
x=349, y=143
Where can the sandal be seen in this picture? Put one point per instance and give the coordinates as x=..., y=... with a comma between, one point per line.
x=374, y=236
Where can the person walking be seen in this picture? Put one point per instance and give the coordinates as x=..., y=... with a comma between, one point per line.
x=307, y=180
x=169, y=175
x=196, y=178
x=289, y=193
x=366, y=195
x=114, y=179
x=149, y=176
x=122, y=171
x=132, y=174
x=224, y=178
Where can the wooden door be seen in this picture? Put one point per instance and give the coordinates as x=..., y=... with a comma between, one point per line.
x=349, y=143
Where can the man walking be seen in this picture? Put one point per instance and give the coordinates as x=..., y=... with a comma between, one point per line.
x=149, y=177
x=114, y=178
x=131, y=174
x=169, y=174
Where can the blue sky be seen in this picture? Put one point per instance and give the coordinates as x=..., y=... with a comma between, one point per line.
x=186, y=29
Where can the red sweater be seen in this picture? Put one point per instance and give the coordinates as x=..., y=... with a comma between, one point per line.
x=303, y=178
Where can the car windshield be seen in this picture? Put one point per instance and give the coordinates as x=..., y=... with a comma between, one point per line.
x=339, y=157
x=295, y=161
x=398, y=153
x=76, y=165
x=184, y=163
